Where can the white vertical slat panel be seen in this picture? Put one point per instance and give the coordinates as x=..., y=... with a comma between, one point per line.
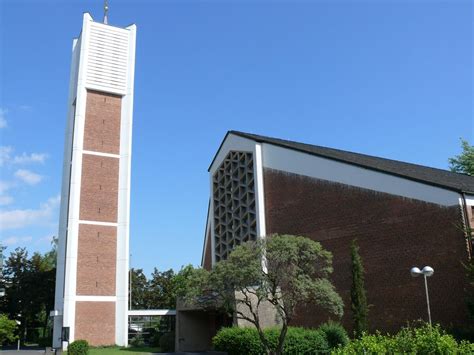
x=108, y=59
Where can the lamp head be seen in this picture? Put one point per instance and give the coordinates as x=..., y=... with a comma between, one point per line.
x=427, y=271
x=414, y=271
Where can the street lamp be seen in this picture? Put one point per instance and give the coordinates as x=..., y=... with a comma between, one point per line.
x=427, y=271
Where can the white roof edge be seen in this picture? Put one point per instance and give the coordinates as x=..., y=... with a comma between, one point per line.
x=152, y=312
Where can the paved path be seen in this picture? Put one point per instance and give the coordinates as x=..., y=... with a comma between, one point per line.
x=21, y=352
x=41, y=351
x=37, y=352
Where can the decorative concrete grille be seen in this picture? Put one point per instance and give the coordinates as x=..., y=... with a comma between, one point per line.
x=234, y=203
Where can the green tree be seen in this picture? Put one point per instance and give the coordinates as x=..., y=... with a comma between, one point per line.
x=15, y=274
x=464, y=162
x=41, y=277
x=359, y=306
x=29, y=290
x=280, y=270
x=162, y=289
x=7, y=330
x=139, y=293
x=192, y=285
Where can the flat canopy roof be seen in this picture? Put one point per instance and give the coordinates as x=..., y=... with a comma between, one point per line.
x=152, y=312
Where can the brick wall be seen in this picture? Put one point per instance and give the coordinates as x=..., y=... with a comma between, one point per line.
x=96, y=260
x=99, y=188
x=394, y=234
x=102, y=124
x=97, y=244
x=95, y=322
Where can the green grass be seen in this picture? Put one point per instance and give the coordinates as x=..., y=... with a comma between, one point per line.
x=116, y=350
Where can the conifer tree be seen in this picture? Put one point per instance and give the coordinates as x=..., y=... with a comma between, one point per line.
x=464, y=162
x=358, y=296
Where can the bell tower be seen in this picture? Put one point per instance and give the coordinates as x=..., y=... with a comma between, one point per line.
x=91, y=299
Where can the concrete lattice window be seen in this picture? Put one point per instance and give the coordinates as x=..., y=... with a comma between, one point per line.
x=234, y=203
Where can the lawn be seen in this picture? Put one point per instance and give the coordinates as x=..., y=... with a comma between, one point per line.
x=122, y=351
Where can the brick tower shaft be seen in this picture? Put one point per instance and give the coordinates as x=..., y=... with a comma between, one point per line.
x=91, y=300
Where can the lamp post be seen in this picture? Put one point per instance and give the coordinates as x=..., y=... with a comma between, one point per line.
x=427, y=271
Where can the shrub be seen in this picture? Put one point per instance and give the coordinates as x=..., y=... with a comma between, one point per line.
x=422, y=340
x=425, y=340
x=300, y=340
x=78, y=347
x=137, y=341
x=237, y=341
x=366, y=344
x=7, y=330
x=167, y=342
x=466, y=347
x=335, y=334
x=246, y=341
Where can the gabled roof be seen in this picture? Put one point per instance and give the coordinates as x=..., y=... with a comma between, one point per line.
x=431, y=176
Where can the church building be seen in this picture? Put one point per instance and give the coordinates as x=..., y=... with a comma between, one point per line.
x=403, y=215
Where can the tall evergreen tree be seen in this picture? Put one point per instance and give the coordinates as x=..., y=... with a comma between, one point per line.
x=359, y=305
x=464, y=162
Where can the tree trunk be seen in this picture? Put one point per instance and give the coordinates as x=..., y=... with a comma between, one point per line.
x=264, y=341
x=281, y=339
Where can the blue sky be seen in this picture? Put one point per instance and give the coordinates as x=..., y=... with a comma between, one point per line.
x=392, y=79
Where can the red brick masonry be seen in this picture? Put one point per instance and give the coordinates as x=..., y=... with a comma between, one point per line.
x=394, y=234
x=99, y=188
x=97, y=245
x=95, y=322
x=96, y=260
x=102, y=125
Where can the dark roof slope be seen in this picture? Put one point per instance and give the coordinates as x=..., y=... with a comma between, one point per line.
x=432, y=176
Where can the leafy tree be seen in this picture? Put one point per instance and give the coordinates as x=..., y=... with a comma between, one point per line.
x=162, y=289
x=15, y=273
x=281, y=270
x=139, y=292
x=29, y=289
x=156, y=293
x=191, y=277
x=359, y=306
x=50, y=257
x=7, y=330
x=41, y=277
x=464, y=162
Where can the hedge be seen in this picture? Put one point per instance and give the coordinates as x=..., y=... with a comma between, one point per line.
x=335, y=334
x=237, y=341
x=78, y=347
x=422, y=340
